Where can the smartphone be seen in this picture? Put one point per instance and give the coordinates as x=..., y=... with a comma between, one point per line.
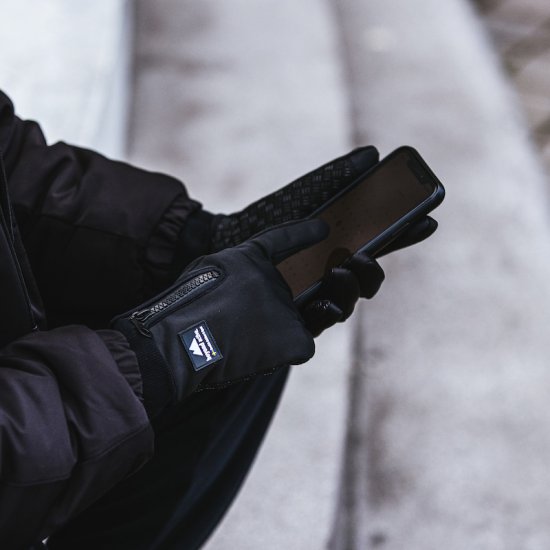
x=366, y=216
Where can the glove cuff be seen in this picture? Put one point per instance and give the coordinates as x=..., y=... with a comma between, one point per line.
x=159, y=391
x=195, y=239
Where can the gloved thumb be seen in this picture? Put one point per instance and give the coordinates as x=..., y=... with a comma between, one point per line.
x=285, y=240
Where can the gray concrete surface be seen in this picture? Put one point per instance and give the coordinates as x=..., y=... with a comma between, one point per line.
x=447, y=438
x=237, y=99
x=66, y=65
x=456, y=348
x=519, y=29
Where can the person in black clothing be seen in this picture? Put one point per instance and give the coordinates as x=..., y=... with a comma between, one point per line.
x=111, y=434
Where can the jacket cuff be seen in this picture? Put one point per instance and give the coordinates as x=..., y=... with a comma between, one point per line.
x=125, y=358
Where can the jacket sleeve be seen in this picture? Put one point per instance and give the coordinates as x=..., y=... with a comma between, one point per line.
x=101, y=235
x=71, y=426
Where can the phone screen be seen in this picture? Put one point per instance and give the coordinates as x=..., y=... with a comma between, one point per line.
x=394, y=188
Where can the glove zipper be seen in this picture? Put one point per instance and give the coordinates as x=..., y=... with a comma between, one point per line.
x=143, y=318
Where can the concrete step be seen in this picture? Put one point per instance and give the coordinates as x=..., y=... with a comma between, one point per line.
x=452, y=427
x=66, y=65
x=238, y=98
x=520, y=29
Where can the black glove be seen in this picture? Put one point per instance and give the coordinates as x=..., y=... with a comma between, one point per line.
x=228, y=317
x=336, y=298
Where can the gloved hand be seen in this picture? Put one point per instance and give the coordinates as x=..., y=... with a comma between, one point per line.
x=362, y=277
x=228, y=317
x=337, y=296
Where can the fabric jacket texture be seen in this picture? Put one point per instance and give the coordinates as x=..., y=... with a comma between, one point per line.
x=82, y=238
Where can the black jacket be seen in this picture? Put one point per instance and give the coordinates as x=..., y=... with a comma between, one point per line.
x=93, y=238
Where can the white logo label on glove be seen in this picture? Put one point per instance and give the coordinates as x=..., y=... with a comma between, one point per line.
x=200, y=345
x=194, y=347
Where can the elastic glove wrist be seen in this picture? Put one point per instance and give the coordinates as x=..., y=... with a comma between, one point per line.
x=195, y=239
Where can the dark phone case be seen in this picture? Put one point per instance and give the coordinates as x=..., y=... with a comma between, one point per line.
x=375, y=245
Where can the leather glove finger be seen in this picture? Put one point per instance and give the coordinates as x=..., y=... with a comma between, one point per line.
x=281, y=242
x=368, y=272
x=415, y=233
x=341, y=287
x=334, y=301
x=320, y=315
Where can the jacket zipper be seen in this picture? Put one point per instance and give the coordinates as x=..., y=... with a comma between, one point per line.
x=143, y=318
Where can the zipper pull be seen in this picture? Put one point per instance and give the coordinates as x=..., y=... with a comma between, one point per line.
x=138, y=318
